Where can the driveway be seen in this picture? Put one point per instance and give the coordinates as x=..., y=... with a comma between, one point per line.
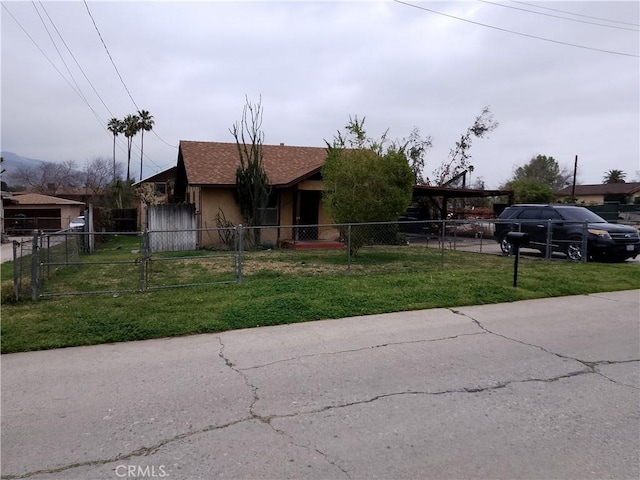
x=526, y=390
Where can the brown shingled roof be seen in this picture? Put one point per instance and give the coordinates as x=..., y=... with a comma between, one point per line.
x=39, y=199
x=215, y=163
x=602, y=189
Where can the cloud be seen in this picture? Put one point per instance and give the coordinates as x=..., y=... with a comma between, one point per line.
x=191, y=64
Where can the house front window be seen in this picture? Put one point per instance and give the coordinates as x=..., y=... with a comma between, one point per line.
x=270, y=213
x=161, y=188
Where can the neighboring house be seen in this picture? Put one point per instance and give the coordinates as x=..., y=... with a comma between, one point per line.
x=162, y=184
x=206, y=178
x=625, y=193
x=161, y=189
x=26, y=212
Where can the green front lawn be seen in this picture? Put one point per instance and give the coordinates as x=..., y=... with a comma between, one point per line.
x=286, y=287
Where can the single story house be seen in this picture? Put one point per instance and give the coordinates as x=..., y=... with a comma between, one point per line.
x=206, y=178
x=162, y=184
x=26, y=212
x=625, y=193
x=162, y=187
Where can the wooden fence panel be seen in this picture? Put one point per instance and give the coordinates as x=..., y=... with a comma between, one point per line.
x=172, y=227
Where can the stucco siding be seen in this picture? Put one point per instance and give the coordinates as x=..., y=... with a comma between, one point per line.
x=215, y=200
x=326, y=232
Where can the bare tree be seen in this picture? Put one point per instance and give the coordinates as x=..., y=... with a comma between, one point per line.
x=98, y=174
x=48, y=178
x=459, y=156
x=416, y=147
x=148, y=194
x=252, y=183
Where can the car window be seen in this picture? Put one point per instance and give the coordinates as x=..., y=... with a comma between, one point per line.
x=579, y=214
x=530, y=213
x=508, y=212
x=550, y=214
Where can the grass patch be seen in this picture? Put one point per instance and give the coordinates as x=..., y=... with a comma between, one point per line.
x=281, y=287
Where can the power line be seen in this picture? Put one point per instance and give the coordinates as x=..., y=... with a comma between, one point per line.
x=162, y=140
x=576, y=14
x=79, y=90
x=74, y=59
x=118, y=72
x=109, y=54
x=52, y=64
x=558, y=16
x=75, y=89
x=517, y=33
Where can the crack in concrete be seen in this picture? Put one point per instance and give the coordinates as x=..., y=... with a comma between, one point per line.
x=596, y=364
x=464, y=390
x=308, y=447
x=144, y=451
x=370, y=347
x=245, y=379
x=140, y=452
x=267, y=420
x=590, y=365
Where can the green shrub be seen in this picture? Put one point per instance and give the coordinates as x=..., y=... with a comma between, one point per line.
x=6, y=292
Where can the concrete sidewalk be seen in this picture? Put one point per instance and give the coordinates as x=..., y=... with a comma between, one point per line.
x=6, y=249
x=534, y=389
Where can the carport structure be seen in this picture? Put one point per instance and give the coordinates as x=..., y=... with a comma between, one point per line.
x=439, y=197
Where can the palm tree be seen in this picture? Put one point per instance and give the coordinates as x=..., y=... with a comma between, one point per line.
x=131, y=123
x=116, y=127
x=145, y=124
x=614, y=176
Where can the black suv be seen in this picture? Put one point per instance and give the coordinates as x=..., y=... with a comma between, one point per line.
x=605, y=241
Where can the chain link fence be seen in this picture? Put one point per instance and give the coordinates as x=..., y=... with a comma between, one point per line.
x=39, y=257
x=72, y=263
x=123, y=262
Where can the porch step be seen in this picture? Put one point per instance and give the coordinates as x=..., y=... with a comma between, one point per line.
x=312, y=244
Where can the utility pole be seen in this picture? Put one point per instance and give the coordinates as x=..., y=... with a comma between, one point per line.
x=575, y=172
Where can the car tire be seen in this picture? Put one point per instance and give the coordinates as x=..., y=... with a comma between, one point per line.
x=574, y=249
x=505, y=246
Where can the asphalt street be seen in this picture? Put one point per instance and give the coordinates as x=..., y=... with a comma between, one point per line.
x=539, y=389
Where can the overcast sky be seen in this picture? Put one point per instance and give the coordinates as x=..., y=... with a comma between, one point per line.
x=313, y=64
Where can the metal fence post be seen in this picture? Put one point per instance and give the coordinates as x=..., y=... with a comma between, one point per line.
x=16, y=272
x=144, y=261
x=547, y=253
x=585, y=233
x=66, y=248
x=239, y=252
x=455, y=235
x=34, y=266
x=349, y=248
x=443, y=228
x=48, y=237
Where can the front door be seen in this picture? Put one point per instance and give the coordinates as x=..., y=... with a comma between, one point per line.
x=309, y=204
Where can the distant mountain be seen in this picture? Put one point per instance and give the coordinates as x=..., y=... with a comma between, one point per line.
x=13, y=160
